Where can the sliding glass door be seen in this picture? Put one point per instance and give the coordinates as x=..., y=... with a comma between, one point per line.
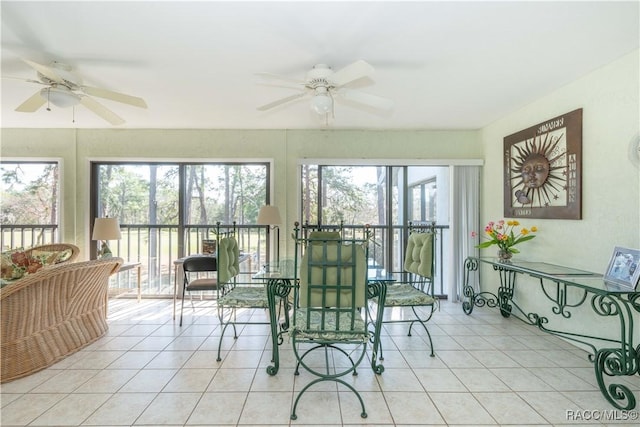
x=388, y=198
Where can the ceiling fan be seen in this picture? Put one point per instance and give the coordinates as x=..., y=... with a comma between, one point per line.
x=325, y=85
x=64, y=88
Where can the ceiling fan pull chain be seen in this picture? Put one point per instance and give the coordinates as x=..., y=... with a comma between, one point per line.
x=48, y=103
x=333, y=106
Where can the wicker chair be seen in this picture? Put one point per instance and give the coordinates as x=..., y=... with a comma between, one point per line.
x=60, y=252
x=51, y=314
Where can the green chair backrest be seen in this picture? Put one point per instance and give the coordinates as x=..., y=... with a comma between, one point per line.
x=228, y=259
x=419, y=255
x=319, y=236
x=331, y=272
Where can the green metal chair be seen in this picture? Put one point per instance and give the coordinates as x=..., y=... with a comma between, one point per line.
x=418, y=292
x=234, y=295
x=318, y=231
x=329, y=312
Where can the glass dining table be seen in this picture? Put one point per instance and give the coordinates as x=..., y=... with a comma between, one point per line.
x=280, y=278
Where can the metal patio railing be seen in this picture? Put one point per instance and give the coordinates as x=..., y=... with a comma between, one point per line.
x=156, y=247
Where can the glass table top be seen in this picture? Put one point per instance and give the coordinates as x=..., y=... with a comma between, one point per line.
x=284, y=269
x=558, y=273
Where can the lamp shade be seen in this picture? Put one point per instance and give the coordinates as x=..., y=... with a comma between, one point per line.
x=106, y=229
x=269, y=215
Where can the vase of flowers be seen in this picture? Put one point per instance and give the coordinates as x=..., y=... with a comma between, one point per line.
x=505, y=235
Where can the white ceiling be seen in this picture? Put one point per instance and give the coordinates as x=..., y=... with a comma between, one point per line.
x=446, y=65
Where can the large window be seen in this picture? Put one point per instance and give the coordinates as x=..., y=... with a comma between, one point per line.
x=166, y=210
x=151, y=193
x=423, y=201
x=359, y=194
x=30, y=203
x=226, y=193
x=347, y=194
x=387, y=198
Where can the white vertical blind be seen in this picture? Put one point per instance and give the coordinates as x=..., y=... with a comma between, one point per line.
x=465, y=218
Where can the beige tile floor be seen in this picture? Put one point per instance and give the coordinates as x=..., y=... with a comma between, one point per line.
x=148, y=371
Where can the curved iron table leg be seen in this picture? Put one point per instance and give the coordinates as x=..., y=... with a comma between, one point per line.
x=377, y=289
x=277, y=291
x=467, y=290
x=609, y=362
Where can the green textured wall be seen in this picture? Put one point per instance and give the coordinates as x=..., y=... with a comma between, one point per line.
x=610, y=101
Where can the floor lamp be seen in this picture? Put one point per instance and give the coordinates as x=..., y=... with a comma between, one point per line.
x=270, y=216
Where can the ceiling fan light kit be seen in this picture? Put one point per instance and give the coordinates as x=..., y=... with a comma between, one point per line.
x=322, y=103
x=60, y=97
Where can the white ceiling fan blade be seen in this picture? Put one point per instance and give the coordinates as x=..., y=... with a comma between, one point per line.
x=271, y=76
x=45, y=71
x=24, y=80
x=32, y=103
x=368, y=99
x=280, y=85
x=101, y=110
x=351, y=72
x=281, y=101
x=114, y=96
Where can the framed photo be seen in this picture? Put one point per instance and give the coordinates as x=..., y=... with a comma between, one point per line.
x=208, y=247
x=542, y=169
x=624, y=268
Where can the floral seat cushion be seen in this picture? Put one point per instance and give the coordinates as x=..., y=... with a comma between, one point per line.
x=403, y=294
x=331, y=331
x=246, y=297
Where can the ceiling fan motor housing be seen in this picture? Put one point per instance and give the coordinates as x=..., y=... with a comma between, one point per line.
x=69, y=79
x=318, y=76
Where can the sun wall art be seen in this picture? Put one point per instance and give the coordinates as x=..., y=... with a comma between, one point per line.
x=542, y=169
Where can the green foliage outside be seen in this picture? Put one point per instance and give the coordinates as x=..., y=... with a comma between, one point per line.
x=30, y=193
x=150, y=194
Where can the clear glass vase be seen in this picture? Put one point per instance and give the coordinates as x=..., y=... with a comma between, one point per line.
x=504, y=255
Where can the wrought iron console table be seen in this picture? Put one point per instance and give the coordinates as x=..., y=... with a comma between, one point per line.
x=567, y=289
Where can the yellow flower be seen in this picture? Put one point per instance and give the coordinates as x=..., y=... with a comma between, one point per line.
x=534, y=229
x=524, y=231
x=515, y=223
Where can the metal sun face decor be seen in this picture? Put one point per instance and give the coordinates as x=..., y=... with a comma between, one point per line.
x=542, y=169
